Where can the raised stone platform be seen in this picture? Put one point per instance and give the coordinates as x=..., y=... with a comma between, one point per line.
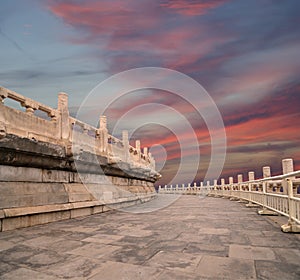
x=193, y=238
x=61, y=168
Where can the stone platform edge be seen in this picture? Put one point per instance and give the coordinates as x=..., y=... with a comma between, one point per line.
x=21, y=217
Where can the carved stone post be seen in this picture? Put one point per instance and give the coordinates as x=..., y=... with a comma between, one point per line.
x=240, y=178
x=64, y=116
x=145, y=151
x=287, y=167
x=125, y=142
x=3, y=94
x=266, y=174
x=152, y=161
x=251, y=177
x=102, y=134
x=266, y=171
x=138, y=148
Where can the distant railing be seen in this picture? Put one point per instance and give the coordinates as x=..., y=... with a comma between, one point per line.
x=275, y=194
x=65, y=130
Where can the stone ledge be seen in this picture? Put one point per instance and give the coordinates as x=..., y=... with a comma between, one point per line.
x=14, y=218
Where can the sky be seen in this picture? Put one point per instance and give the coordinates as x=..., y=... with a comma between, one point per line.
x=244, y=53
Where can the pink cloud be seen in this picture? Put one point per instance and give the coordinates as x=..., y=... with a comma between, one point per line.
x=192, y=8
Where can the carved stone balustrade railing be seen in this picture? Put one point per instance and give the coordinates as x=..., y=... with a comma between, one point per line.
x=275, y=194
x=65, y=130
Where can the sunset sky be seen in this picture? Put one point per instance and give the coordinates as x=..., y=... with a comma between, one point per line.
x=244, y=53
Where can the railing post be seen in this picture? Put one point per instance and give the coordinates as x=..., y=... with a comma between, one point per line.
x=266, y=174
x=215, y=184
x=145, y=151
x=222, y=186
x=287, y=167
x=138, y=148
x=125, y=142
x=3, y=94
x=230, y=180
x=240, y=178
x=266, y=171
x=251, y=177
x=102, y=133
x=291, y=226
x=64, y=116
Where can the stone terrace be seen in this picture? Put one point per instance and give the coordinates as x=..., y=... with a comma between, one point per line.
x=193, y=238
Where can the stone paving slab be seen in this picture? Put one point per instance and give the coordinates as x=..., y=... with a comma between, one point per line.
x=192, y=238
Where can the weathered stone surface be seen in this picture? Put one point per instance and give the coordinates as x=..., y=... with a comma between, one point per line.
x=277, y=270
x=251, y=253
x=214, y=267
x=20, y=174
x=163, y=244
x=58, y=176
x=115, y=270
x=78, y=192
x=27, y=221
x=21, y=194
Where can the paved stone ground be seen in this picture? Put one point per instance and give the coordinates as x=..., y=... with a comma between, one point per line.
x=193, y=238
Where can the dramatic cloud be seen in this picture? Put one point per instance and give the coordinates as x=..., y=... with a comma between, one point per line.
x=192, y=7
x=243, y=52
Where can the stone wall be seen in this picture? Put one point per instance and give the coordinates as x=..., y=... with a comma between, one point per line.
x=50, y=172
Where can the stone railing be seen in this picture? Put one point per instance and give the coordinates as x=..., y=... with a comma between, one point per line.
x=60, y=128
x=275, y=194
